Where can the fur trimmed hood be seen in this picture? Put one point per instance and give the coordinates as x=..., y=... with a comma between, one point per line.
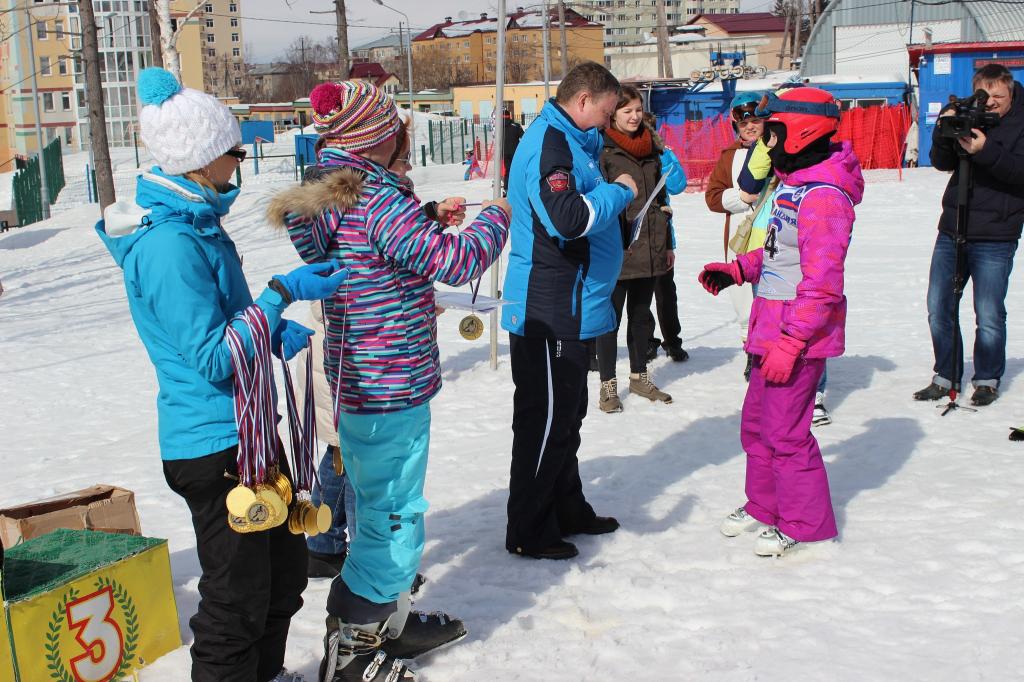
x=340, y=190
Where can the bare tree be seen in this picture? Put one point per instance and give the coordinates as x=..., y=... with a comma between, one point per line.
x=564, y=43
x=436, y=70
x=519, y=65
x=344, y=65
x=169, y=36
x=94, y=102
x=664, y=48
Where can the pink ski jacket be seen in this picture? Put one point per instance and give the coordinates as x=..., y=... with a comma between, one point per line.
x=817, y=315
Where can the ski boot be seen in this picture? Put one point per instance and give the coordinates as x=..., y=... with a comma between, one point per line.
x=1016, y=433
x=773, y=542
x=642, y=385
x=820, y=417
x=354, y=653
x=675, y=351
x=423, y=633
x=739, y=522
x=609, y=400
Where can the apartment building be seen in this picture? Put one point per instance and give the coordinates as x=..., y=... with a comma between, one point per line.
x=222, y=47
x=630, y=22
x=466, y=49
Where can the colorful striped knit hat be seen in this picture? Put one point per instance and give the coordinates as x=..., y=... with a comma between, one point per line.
x=355, y=114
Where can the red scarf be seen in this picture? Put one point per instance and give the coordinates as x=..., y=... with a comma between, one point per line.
x=638, y=146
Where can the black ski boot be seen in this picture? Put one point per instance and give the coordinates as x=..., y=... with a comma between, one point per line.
x=354, y=653
x=422, y=633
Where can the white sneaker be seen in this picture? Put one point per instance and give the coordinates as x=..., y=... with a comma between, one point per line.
x=739, y=522
x=821, y=417
x=773, y=542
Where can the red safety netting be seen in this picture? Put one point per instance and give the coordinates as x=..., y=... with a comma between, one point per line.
x=698, y=144
x=878, y=134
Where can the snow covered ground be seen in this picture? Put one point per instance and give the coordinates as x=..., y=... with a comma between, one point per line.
x=926, y=582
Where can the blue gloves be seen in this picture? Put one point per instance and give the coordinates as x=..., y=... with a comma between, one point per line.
x=314, y=282
x=289, y=338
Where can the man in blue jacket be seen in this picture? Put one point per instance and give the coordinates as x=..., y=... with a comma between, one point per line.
x=566, y=251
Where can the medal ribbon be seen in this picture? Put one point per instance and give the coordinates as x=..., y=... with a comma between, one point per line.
x=302, y=436
x=253, y=397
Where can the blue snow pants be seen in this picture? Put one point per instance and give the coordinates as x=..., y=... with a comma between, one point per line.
x=385, y=459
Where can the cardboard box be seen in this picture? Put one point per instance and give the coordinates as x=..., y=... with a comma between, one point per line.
x=83, y=605
x=105, y=508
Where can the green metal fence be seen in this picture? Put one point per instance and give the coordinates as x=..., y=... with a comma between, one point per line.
x=449, y=140
x=28, y=187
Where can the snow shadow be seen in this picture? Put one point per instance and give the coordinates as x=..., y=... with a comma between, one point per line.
x=454, y=365
x=27, y=239
x=868, y=460
x=848, y=374
x=703, y=359
x=185, y=569
x=467, y=542
x=1014, y=366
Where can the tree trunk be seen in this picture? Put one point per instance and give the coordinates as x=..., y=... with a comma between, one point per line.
x=154, y=36
x=799, y=32
x=172, y=61
x=561, y=30
x=344, y=65
x=94, y=101
x=664, y=49
x=785, y=39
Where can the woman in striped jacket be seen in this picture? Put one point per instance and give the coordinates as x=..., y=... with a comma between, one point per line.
x=381, y=359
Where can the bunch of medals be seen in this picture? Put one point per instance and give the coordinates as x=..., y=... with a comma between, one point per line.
x=262, y=498
x=305, y=517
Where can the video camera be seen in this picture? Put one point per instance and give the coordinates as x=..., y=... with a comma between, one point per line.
x=969, y=113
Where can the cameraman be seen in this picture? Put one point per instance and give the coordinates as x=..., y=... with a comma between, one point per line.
x=995, y=216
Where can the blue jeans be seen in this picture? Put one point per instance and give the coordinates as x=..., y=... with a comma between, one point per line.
x=988, y=266
x=823, y=380
x=336, y=491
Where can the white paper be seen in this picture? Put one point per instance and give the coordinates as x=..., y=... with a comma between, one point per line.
x=459, y=300
x=934, y=107
x=943, y=64
x=639, y=220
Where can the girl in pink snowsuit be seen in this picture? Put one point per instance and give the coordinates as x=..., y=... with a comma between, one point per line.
x=797, y=320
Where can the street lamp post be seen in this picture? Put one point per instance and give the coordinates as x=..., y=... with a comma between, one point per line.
x=408, y=56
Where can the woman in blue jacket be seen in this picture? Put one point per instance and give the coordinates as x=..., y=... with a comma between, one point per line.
x=185, y=285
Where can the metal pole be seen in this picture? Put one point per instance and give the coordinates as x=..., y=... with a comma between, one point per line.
x=45, y=184
x=408, y=57
x=910, y=41
x=499, y=100
x=547, y=55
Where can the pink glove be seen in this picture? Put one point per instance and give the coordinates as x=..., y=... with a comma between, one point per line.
x=779, y=358
x=717, y=276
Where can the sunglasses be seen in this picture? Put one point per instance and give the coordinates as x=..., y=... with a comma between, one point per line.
x=236, y=153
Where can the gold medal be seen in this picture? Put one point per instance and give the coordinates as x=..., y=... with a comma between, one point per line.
x=309, y=521
x=296, y=518
x=239, y=524
x=281, y=485
x=258, y=514
x=239, y=499
x=471, y=327
x=324, y=516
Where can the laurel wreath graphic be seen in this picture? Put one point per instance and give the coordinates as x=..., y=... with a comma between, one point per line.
x=54, y=659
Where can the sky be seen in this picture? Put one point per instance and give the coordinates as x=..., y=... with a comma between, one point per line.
x=268, y=34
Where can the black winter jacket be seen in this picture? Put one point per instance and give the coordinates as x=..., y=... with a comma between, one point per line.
x=996, y=211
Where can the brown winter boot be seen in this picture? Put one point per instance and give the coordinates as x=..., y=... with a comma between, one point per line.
x=642, y=385
x=609, y=401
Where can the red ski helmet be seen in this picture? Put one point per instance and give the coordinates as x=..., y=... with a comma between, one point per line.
x=808, y=113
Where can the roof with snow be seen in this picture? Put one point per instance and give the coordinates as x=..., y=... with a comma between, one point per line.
x=749, y=22
x=519, y=19
x=370, y=71
x=390, y=40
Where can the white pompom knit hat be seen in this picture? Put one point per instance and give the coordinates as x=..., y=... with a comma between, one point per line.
x=184, y=129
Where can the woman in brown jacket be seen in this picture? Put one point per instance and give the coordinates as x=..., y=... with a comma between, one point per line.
x=630, y=148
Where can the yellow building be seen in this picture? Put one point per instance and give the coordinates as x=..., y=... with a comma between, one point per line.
x=465, y=51
x=523, y=100
x=221, y=45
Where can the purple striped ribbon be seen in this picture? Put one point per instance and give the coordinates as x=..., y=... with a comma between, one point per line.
x=302, y=435
x=253, y=397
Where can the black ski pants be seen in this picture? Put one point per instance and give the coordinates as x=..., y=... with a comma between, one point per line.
x=666, y=303
x=636, y=296
x=251, y=584
x=545, y=500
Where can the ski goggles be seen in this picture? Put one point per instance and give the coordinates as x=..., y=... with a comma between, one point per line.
x=772, y=104
x=745, y=112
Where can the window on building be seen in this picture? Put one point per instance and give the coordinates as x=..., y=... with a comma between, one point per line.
x=68, y=135
x=232, y=7
x=236, y=52
x=47, y=101
x=237, y=67
x=208, y=7
x=238, y=81
x=212, y=52
x=209, y=23
x=80, y=96
x=58, y=29
x=62, y=66
x=209, y=37
x=65, y=101
x=40, y=30
x=44, y=66
x=234, y=37
x=234, y=22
